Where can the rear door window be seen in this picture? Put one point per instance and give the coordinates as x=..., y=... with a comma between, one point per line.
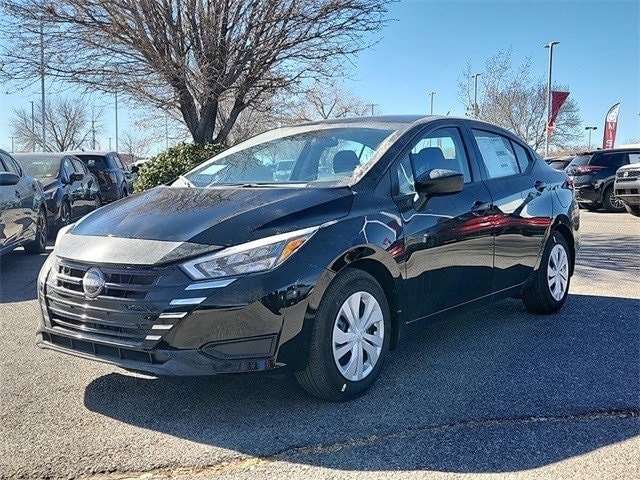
x=612, y=160
x=11, y=165
x=79, y=166
x=497, y=154
x=67, y=168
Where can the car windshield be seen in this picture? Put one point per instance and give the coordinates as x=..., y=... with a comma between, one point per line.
x=40, y=166
x=301, y=155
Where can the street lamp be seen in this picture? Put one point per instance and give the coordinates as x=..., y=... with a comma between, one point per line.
x=546, y=137
x=431, y=94
x=590, y=129
x=475, y=94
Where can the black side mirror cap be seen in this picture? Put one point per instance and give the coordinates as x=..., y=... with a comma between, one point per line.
x=76, y=177
x=8, y=178
x=439, y=182
x=134, y=169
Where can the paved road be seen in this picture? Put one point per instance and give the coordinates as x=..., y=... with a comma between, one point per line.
x=498, y=393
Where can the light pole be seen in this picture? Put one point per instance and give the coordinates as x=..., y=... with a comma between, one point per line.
x=109, y=143
x=590, y=129
x=546, y=126
x=475, y=94
x=431, y=94
x=116, y=92
x=33, y=127
x=12, y=149
x=44, y=127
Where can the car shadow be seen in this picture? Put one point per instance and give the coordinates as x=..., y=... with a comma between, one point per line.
x=497, y=390
x=19, y=274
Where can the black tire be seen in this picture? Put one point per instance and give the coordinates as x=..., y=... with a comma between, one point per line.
x=610, y=202
x=321, y=378
x=589, y=206
x=633, y=209
x=65, y=214
x=537, y=296
x=39, y=245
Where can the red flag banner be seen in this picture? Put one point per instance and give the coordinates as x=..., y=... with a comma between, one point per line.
x=557, y=100
x=610, y=126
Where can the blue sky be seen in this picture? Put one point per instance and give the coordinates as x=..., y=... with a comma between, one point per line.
x=428, y=43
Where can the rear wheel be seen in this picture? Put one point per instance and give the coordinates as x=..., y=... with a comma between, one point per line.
x=633, y=209
x=39, y=244
x=549, y=287
x=612, y=203
x=350, y=338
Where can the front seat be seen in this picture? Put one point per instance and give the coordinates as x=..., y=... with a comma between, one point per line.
x=345, y=161
x=431, y=158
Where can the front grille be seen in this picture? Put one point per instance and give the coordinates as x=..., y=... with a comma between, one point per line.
x=107, y=351
x=122, y=314
x=629, y=174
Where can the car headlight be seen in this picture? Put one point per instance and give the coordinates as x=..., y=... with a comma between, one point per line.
x=255, y=256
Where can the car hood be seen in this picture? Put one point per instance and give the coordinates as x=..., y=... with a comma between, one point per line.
x=215, y=216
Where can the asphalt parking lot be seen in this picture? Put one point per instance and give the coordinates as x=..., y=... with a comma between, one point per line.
x=499, y=392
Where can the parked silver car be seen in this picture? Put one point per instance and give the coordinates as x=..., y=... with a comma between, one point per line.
x=627, y=185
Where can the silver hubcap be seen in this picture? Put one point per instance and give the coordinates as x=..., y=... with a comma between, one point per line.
x=558, y=272
x=358, y=336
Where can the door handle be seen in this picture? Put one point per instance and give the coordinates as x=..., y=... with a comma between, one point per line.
x=479, y=207
x=540, y=185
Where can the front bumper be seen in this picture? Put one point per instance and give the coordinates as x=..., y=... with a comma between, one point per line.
x=588, y=193
x=157, y=320
x=628, y=190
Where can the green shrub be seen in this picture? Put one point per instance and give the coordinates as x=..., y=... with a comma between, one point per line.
x=171, y=163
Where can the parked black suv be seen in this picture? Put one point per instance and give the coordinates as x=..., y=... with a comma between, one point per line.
x=114, y=176
x=594, y=173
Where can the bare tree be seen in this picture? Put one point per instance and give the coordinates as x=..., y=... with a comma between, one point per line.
x=325, y=100
x=135, y=145
x=188, y=54
x=512, y=98
x=69, y=124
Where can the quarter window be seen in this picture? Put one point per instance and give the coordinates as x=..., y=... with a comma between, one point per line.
x=67, y=168
x=11, y=165
x=521, y=156
x=497, y=154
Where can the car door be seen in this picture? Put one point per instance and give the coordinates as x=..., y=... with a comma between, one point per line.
x=449, y=238
x=126, y=173
x=22, y=218
x=86, y=202
x=75, y=189
x=522, y=204
x=8, y=202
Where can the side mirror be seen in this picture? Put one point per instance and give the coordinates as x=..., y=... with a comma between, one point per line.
x=76, y=177
x=134, y=169
x=8, y=178
x=439, y=182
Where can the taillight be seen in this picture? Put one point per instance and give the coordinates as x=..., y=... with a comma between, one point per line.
x=584, y=169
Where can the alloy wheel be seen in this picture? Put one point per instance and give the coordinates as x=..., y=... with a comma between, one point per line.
x=616, y=202
x=42, y=230
x=358, y=336
x=65, y=215
x=558, y=272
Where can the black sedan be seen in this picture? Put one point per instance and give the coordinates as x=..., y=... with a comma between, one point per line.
x=383, y=226
x=23, y=213
x=71, y=191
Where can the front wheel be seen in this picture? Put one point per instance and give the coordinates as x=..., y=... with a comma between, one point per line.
x=39, y=244
x=350, y=338
x=633, y=209
x=549, y=286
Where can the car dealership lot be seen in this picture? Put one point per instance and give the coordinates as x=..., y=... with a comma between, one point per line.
x=495, y=391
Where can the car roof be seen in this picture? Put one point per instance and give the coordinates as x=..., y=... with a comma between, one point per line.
x=101, y=153
x=52, y=155
x=611, y=150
